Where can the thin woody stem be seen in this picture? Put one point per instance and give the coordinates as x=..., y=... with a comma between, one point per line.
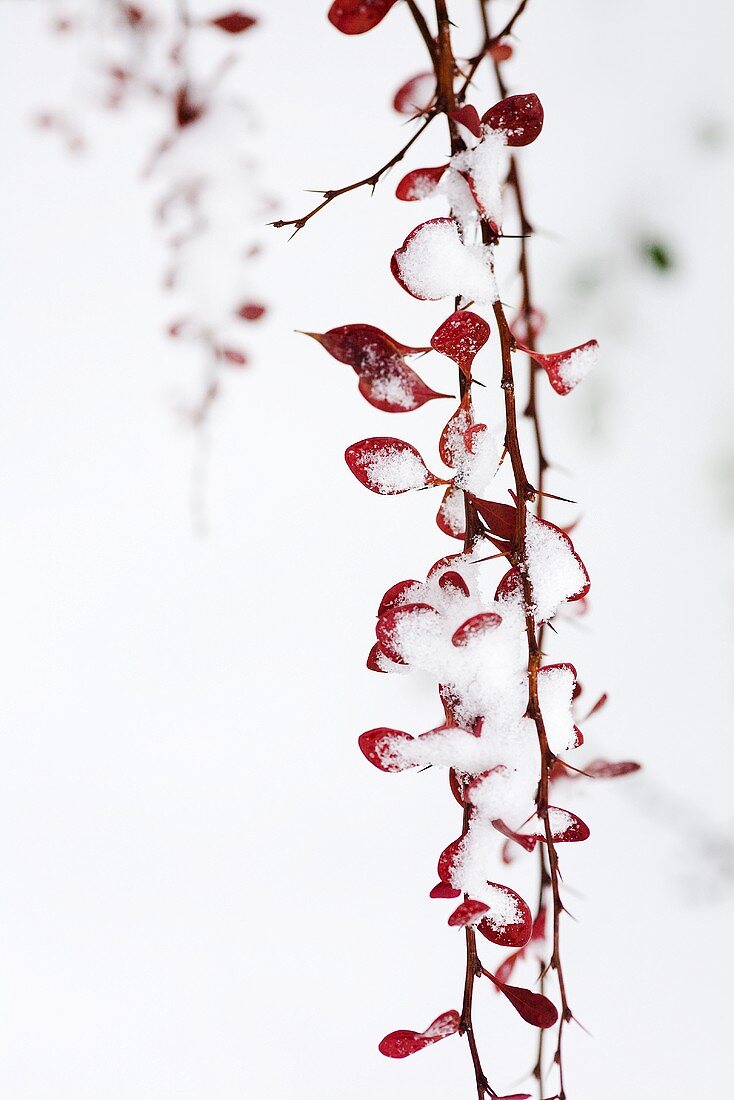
x=420, y=21
x=525, y=493
x=369, y=181
x=446, y=103
x=547, y=878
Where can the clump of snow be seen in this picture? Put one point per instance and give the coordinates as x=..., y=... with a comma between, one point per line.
x=475, y=469
x=555, y=696
x=395, y=471
x=573, y=370
x=453, y=512
x=435, y=263
x=554, y=571
x=485, y=164
x=392, y=389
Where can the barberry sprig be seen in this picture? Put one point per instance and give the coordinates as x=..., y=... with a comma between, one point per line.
x=507, y=716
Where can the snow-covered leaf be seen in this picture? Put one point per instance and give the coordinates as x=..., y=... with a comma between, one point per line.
x=433, y=262
x=415, y=95
x=476, y=627
x=382, y=748
x=388, y=466
x=419, y=184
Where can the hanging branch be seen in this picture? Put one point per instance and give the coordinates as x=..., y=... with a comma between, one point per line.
x=501, y=731
x=141, y=55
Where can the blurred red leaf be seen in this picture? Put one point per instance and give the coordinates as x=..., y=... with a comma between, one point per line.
x=251, y=311
x=415, y=95
x=500, y=51
x=234, y=23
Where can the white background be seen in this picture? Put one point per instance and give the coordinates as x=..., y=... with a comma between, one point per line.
x=206, y=891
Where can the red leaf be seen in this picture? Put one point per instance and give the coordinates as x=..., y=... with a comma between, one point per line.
x=386, y=380
x=232, y=355
x=606, y=769
x=443, y=890
x=388, y=466
x=500, y=51
x=452, y=443
x=519, y=116
x=360, y=345
x=451, y=581
x=234, y=23
x=449, y=858
x=251, y=311
x=388, y=626
x=380, y=746
x=448, y=561
x=510, y=922
x=509, y=586
x=467, y=913
x=501, y=519
x=525, y=840
x=451, y=515
x=534, y=1008
x=566, y=827
x=506, y=967
x=185, y=109
x=433, y=257
x=415, y=95
x=374, y=659
x=394, y=594
x=399, y=1044
x=460, y=337
x=469, y=117
x=476, y=627
x=565, y=369
x=419, y=184
x=401, y=391
x=586, y=585
x=358, y=16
